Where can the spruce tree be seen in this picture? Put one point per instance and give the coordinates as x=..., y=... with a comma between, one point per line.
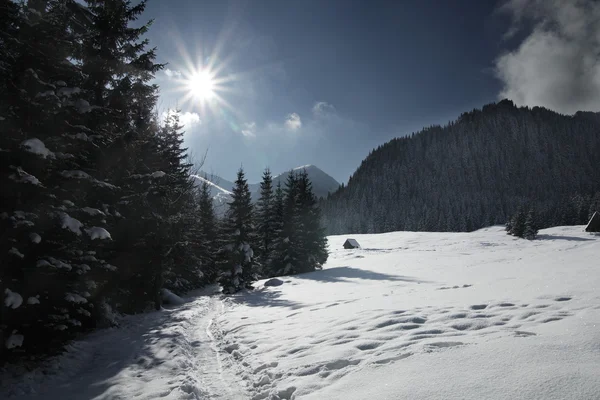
x=238, y=265
x=517, y=223
x=265, y=219
x=275, y=265
x=208, y=232
x=312, y=243
x=531, y=229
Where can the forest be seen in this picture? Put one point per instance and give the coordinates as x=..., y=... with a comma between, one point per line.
x=98, y=213
x=475, y=172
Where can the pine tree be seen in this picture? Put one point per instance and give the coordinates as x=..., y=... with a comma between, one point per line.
x=531, y=230
x=311, y=243
x=287, y=243
x=208, y=232
x=517, y=223
x=239, y=267
x=275, y=265
x=52, y=194
x=265, y=219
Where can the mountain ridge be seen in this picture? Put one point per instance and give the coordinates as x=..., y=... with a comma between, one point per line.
x=221, y=189
x=474, y=172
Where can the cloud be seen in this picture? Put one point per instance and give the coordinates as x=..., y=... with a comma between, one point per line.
x=172, y=73
x=249, y=129
x=187, y=119
x=557, y=65
x=322, y=109
x=293, y=122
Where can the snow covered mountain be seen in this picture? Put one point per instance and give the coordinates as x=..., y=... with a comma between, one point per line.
x=321, y=181
x=220, y=195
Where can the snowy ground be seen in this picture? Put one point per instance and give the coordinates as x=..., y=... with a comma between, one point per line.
x=476, y=315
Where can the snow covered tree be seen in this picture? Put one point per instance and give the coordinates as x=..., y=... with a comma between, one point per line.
x=265, y=219
x=238, y=265
x=51, y=190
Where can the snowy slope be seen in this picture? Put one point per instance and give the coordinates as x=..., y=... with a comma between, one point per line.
x=321, y=181
x=478, y=315
x=221, y=197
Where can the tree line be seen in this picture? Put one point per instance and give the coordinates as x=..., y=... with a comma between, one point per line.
x=98, y=213
x=474, y=172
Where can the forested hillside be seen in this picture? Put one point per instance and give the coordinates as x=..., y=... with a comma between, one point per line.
x=474, y=172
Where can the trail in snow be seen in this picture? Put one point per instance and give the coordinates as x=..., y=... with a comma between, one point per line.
x=170, y=354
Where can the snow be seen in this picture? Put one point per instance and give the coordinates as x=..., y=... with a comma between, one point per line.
x=33, y=300
x=75, y=298
x=35, y=238
x=427, y=315
x=67, y=92
x=15, y=252
x=76, y=174
x=24, y=177
x=36, y=146
x=13, y=299
x=71, y=224
x=53, y=263
x=92, y=211
x=157, y=174
x=14, y=340
x=97, y=232
x=82, y=106
x=478, y=315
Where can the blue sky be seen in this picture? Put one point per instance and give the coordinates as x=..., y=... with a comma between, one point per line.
x=324, y=82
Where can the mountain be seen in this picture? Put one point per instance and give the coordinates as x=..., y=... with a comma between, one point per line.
x=323, y=184
x=475, y=172
x=220, y=195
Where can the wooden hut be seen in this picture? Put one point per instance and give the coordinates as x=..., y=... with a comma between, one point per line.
x=594, y=224
x=351, y=244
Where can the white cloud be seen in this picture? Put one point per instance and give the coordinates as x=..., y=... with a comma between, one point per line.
x=293, y=122
x=187, y=119
x=249, y=129
x=171, y=73
x=322, y=109
x=558, y=64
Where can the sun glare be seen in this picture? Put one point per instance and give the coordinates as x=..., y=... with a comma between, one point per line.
x=202, y=85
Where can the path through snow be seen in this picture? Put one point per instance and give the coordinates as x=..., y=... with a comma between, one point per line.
x=170, y=354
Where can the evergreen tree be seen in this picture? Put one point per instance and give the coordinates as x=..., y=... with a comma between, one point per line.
x=265, y=219
x=531, y=230
x=53, y=196
x=274, y=266
x=517, y=224
x=311, y=243
x=239, y=266
x=208, y=232
x=287, y=244
x=470, y=173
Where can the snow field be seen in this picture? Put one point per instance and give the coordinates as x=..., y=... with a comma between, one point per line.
x=427, y=315
x=478, y=315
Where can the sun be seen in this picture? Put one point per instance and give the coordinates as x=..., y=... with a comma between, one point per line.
x=201, y=85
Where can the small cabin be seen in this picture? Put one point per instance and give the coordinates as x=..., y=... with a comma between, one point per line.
x=594, y=224
x=351, y=244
